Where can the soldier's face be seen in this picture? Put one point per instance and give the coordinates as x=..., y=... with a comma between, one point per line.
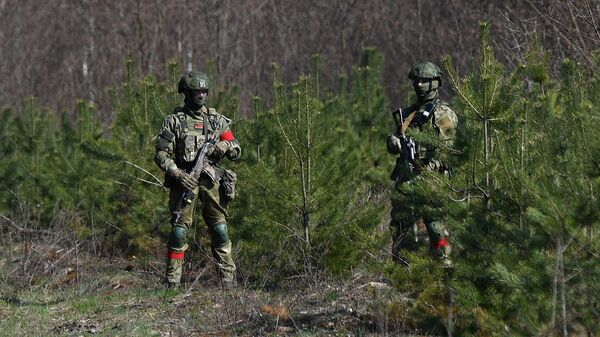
x=423, y=86
x=199, y=96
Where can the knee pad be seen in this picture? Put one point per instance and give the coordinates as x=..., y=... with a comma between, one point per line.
x=436, y=231
x=177, y=239
x=219, y=234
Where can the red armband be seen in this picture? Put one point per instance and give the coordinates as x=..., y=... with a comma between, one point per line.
x=175, y=255
x=442, y=243
x=227, y=136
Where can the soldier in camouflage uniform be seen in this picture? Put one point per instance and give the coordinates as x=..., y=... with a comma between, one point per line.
x=180, y=138
x=428, y=114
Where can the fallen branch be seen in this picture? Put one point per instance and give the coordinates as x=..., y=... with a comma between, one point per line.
x=24, y=230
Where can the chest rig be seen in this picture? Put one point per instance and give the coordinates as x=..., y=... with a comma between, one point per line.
x=425, y=120
x=192, y=134
x=425, y=117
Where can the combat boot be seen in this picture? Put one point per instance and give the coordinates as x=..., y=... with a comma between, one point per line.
x=227, y=284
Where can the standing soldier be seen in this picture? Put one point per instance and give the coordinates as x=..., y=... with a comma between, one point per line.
x=428, y=114
x=188, y=131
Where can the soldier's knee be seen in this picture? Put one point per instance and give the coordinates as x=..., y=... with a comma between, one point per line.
x=218, y=234
x=436, y=231
x=178, y=235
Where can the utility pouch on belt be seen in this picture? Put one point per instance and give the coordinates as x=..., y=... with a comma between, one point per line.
x=228, y=180
x=210, y=172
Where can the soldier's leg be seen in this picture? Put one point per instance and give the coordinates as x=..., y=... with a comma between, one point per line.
x=400, y=225
x=177, y=245
x=214, y=212
x=439, y=241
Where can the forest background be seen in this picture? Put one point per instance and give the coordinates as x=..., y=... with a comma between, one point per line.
x=310, y=87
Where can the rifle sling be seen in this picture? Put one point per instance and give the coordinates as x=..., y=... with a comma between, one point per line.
x=407, y=121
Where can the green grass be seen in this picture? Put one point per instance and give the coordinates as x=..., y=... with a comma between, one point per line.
x=86, y=306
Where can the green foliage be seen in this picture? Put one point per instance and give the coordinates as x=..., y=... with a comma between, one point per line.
x=313, y=186
x=307, y=180
x=527, y=177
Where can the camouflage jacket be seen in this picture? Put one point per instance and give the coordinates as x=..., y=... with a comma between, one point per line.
x=434, y=118
x=182, y=135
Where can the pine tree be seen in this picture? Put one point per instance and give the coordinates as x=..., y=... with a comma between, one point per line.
x=307, y=157
x=528, y=190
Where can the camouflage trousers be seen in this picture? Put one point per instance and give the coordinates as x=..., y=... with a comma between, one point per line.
x=213, y=207
x=411, y=217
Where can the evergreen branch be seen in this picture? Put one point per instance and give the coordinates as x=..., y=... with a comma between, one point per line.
x=465, y=194
x=157, y=105
x=484, y=192
x=494, y=89
x=459, y=200
x=444, y=183
x=573, y=275
x=596, y=163
x=291, y=230
x=464, y=97
x=159, y=182
x=558, y=215
x=286, y=196
x=588, y=250
x=99, y=153
x=287, y=138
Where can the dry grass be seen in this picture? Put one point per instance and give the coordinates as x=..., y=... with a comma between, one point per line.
x=52, y=283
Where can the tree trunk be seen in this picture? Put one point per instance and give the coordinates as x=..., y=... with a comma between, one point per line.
x=486, y=158
x=563, y=299
x=555, y=287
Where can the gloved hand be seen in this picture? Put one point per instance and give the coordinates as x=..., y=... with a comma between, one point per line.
x=218, y=150
x=393, y=144
x=185, y=179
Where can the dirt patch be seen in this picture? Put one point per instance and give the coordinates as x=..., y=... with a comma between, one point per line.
x=71, y=328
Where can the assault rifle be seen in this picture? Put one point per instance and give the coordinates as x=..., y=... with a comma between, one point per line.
x=199, y=165
x=408, y=147
x=408, y=150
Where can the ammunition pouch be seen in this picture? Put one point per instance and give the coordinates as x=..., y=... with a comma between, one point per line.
x=227, y=184
x=211, y=172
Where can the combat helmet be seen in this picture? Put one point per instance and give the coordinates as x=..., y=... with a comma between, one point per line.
x=426, y=70
x=193, y=80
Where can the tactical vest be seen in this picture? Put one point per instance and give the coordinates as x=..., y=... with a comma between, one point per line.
x=192, y=132
x=429, y=117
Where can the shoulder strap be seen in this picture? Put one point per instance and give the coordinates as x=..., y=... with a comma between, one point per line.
x=430, y=108
x=407, y=121
x=180, y=114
